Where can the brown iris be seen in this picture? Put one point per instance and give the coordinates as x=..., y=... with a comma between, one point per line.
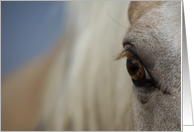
x=135, y=69
x=134, y=66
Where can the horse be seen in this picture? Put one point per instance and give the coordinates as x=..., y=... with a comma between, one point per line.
x=85, y=84
x=153, y=50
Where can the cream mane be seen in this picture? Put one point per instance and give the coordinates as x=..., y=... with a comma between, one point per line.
x=95, y=89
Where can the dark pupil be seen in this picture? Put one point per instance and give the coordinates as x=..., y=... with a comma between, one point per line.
x=134, y=67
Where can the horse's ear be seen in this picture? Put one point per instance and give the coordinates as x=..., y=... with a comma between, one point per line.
x=132, y=7
x=139, y=8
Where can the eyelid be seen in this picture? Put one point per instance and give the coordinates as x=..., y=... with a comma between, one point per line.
x=129, y=51
x=127, y=43
x=131, y=48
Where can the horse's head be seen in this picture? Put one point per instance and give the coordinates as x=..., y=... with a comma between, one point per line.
x=153, y=49
x=79, y=87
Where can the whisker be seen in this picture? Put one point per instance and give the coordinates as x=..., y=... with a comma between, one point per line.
x=119, y=23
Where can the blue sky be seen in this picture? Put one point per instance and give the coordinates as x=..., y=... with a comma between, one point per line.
x=28, y=28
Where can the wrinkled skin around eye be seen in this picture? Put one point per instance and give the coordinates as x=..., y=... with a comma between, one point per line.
x=157, y=38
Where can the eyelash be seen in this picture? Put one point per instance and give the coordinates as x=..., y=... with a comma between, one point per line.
x=124, y=53
x=147, y=80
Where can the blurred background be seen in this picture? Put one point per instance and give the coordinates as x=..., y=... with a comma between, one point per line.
x=28, y=29
x=48, y=74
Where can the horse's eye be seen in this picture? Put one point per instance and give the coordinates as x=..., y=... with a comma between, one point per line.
x=136, y=70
